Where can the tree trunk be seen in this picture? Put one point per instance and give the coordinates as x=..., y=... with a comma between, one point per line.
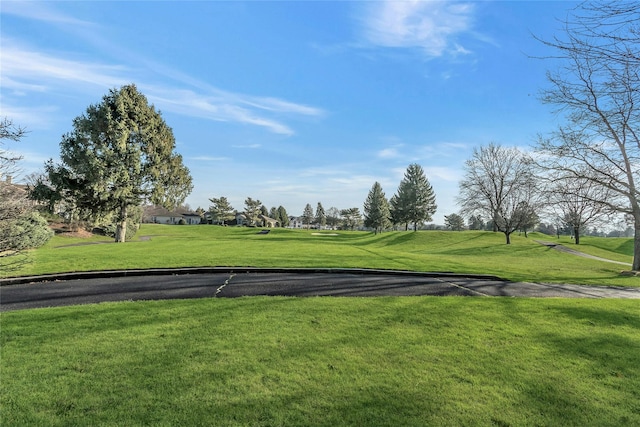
x=508, y=236
x=121, y=229
x=576, y=234
x=636, y=244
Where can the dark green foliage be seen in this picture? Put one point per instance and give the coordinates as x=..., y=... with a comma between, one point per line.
x=321, y=216
x=376, y=209
x=307, y=215
x=120, y=154
x=454, y=222
x=252, y=210
x=26, y=232
x=221, y=210
x=282, y=216
x=415, y=201
x=351, y=218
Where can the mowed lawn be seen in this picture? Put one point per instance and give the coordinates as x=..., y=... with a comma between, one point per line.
x=429, y=251
x=327, y=361
x=324, y=361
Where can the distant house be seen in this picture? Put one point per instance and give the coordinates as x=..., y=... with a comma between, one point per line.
x=263, y=221
x=268, y=222
x=12, y=190
x=296, y=222
x=160, y=215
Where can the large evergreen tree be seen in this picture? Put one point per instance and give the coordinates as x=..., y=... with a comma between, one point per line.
x=119, y=155
x=307, y=215
x=221, y=210
x=282, y=216
x=273, y=213
x=321, y=216
x=252, y=210
x=415, y=201
x=376, y=209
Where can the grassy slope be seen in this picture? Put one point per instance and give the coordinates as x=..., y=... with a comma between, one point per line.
x=324, y=362
x=461, y=252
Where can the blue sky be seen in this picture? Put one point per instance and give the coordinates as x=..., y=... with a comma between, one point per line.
x=290, y=102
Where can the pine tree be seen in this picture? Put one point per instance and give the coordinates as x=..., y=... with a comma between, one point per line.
x=351, y=218
x=376, y=209
x=282, y=216
x=119, y=155
x=221, y=210
x=454, y=222
x=252, y=210
x=307, y=215
x=321, y=216
x=415, y=201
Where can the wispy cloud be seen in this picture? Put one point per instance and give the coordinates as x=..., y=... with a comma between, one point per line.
x=250, y=146
x=213, y=106
x=389, y=153
x=443, y=173
x=36, y=117
x=26, y=70
x=39, y=11
x=208, y=158
x=431, y=26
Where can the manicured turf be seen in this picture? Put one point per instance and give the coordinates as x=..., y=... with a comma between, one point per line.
x=327, y=361
x=411, y=361
x=435, y=251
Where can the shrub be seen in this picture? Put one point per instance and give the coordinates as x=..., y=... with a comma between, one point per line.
x=27, y=232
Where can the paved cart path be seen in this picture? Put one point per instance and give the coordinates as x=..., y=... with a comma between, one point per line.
x=565, y=249
x=101, y=287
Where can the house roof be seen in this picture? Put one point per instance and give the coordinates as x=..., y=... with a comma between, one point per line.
x=149, y=211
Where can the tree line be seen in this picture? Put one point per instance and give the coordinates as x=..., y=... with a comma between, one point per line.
x=414, y=203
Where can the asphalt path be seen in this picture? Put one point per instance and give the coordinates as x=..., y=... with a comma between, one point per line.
x=96, y=287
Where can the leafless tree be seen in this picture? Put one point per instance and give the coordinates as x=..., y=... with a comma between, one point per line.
x=8, y=132
x=598, y=88
x=577, y=202
x=499, y=183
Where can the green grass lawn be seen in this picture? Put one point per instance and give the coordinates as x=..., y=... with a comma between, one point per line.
x=430, y=251
x=411, y=361
x=327, y=361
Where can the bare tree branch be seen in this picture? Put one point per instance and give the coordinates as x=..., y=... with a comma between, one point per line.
x=598, y=88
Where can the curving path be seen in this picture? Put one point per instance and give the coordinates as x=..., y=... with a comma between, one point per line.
x=562, y=248
x=96, y=287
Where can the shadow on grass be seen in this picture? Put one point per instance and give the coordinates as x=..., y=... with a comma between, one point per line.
x=601, y=351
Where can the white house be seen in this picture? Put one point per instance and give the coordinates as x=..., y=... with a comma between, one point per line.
x=160, y=215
